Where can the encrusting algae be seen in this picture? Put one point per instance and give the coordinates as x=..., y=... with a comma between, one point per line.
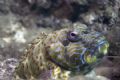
x=62, y=53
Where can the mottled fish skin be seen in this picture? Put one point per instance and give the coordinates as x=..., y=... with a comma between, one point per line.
x=36, y=61
x=63, y=52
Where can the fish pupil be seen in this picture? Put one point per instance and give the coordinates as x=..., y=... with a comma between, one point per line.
x=73, y=37
x=73, y=34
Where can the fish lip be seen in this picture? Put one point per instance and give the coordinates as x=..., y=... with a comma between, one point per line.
x=100, y=43
x=92, y=51
x=82, y=56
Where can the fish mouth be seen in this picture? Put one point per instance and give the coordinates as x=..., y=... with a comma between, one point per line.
x=88, y=55
x=103, y=44
x=91, y=55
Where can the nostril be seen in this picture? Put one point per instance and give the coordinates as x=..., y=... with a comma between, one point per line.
x=85, y=32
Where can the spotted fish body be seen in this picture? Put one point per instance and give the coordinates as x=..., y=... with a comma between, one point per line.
x=71, y=50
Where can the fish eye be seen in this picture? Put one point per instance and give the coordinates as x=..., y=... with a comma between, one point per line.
x=73, y=36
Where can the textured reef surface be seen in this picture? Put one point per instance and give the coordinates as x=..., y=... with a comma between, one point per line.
x=21, y=21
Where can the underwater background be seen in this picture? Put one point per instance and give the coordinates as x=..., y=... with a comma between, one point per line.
x=22, y=20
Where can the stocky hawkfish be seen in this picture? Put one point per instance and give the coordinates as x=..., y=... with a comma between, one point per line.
x=70, y=50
